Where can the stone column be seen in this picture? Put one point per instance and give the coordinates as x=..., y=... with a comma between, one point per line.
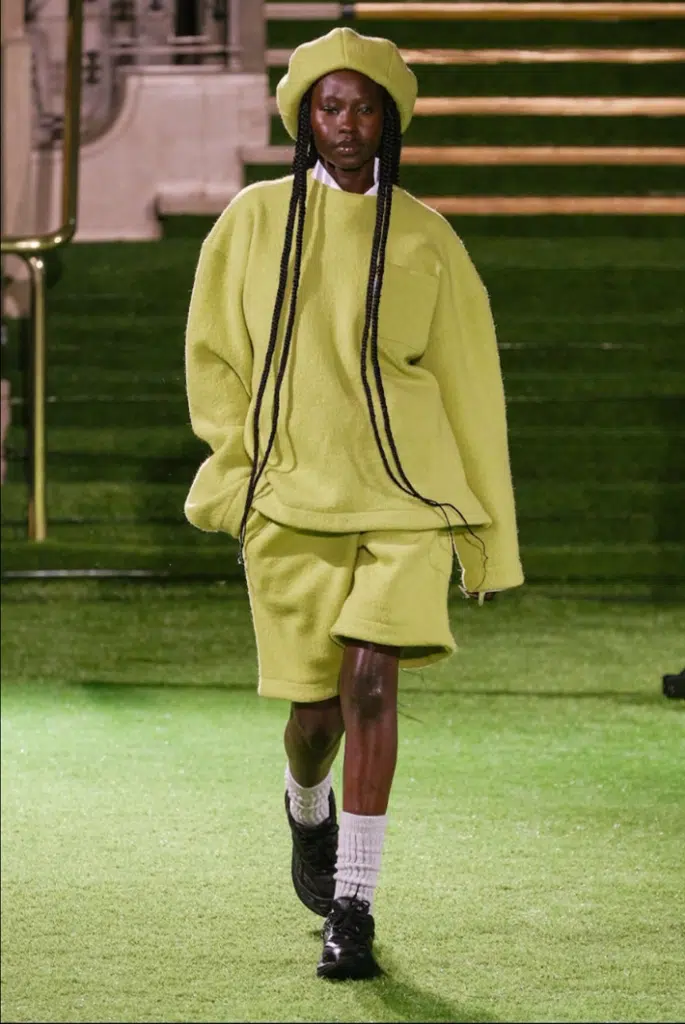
x=247, y=27
x=16, y=120
x=15, y=204
x=17, y=199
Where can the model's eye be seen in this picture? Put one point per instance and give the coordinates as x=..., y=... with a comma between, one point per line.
x=366, y=109
x=329, y=109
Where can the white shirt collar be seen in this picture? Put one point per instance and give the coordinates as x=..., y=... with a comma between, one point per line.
x=321, y=174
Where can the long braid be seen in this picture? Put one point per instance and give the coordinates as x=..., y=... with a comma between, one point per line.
x=305, y=157
x=389, y=174
x=389, y=154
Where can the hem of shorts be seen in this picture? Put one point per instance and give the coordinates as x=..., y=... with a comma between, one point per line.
x=289, y=689
x=440, y=654
x=378, y=634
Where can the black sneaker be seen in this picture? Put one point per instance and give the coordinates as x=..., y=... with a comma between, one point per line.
x=315, y=849
x=347, y=941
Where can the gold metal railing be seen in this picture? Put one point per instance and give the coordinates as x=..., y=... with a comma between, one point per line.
x=33, y=248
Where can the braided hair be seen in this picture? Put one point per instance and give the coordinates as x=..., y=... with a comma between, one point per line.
x=389, y=167
x=304, y=158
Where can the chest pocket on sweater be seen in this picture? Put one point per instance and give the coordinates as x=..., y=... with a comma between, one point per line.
x=407, y=303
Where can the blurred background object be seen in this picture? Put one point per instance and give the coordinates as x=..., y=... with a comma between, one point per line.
x=674, y=685
x=550, y=135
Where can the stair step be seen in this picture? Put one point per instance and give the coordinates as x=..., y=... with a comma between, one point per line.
x=629, y=184
x=523, y=411
x=173, y=454
x=482, y=34
x=526, y=205
x=628, y=397
x=544, y=106
x=279, y=57
x=524, y=348
x=453, y=156
x=539, y=80
x=623, y=288
x=499, y=130
x=499, y=10
x=663, y=565
x=173, y=529
x=587, y=501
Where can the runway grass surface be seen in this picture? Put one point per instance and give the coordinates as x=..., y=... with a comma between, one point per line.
x=533, y=864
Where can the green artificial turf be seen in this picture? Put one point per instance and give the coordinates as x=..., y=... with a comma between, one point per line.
x=533, y=863
x=590, y=334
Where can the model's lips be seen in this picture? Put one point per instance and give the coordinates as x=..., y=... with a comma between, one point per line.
x=348, y=147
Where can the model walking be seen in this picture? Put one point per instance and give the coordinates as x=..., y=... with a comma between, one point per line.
x=342, y=366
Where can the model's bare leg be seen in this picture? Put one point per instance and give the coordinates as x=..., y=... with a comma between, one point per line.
x=312, y=739
x=368, y=699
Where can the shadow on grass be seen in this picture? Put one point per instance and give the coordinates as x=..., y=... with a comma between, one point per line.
x=389, y=999
x=123, y=691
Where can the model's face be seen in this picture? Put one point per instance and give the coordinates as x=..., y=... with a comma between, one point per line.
x=347, y=120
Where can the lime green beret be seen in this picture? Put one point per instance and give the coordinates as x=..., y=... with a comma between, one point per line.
x=378, y=59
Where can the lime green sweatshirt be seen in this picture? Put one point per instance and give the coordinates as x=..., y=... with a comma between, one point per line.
x=439, y=362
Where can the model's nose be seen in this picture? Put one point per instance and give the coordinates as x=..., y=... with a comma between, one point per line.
x=347, y=123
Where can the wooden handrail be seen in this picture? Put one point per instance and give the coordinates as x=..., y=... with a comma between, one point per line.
x=502, y=11
x=424, y=11
x=541, y=205
x=545, y=55
x=569, y=106
x=506, y=155
x=543, y=155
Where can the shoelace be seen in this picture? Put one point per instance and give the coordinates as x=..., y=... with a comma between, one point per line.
x=320, y=850
x=347, y=920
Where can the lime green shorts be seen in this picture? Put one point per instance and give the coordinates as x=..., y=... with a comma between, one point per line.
x=309, y=592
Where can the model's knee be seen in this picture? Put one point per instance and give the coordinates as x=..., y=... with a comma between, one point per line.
x=367, y=697
x=370, y=695
x=369, y=681
x=323, y=736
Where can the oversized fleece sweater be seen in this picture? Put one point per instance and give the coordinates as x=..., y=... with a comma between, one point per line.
x=439, y=362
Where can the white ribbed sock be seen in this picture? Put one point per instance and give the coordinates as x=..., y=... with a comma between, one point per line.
x=360, y=847
x=308, y=804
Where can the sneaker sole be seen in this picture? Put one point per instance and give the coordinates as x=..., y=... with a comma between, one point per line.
x=353, y=970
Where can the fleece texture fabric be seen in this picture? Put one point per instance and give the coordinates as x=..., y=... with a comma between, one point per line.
x=377, y=58
x=439, y=363
x=310, y=591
